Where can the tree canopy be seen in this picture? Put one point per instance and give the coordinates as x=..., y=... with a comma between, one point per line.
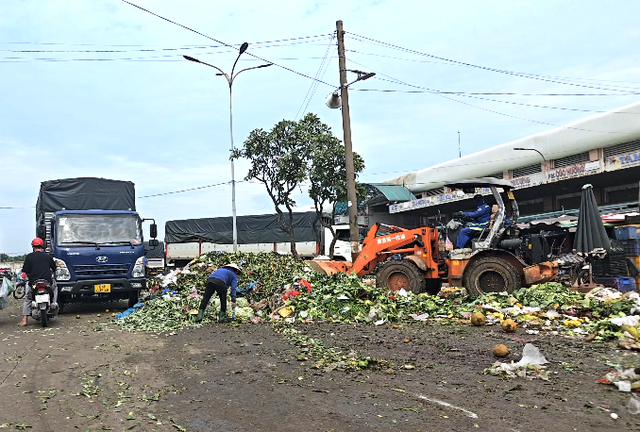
x=292, y=153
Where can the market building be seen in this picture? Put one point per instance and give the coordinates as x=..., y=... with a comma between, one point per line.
x=547, y=170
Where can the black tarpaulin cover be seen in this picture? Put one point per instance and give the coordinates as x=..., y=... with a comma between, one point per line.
x=251, y=229
x=85, y=193
x=156, y=252
x=591, y=237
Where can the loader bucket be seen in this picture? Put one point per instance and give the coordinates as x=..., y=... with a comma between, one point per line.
x=330, y=267
x=540, y=273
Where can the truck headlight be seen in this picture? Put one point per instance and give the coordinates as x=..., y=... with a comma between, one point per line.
x=62, y=272
x=138, y=268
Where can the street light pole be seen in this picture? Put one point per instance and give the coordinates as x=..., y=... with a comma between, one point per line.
x=230, y=78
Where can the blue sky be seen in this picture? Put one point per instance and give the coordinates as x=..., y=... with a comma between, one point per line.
x=144, y=114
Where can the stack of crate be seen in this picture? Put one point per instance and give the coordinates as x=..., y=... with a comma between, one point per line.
x=628, y=237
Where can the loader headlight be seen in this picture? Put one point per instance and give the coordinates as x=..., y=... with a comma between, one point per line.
x=62, y=271
x=138, y=268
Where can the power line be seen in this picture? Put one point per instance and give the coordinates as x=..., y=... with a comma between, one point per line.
x=221, y=42
x=439, y=92
x=278, y=42
x=314, y=84
x=435, y=92
x=185, y=190
x=490, y=69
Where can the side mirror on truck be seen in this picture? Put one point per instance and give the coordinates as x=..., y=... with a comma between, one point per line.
x=153, y=230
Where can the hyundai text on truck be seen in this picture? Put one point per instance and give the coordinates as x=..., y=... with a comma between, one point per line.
x=189, y=238
x=91, y=228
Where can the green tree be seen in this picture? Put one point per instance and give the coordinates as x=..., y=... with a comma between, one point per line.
x=328, y=175
x=279, y=160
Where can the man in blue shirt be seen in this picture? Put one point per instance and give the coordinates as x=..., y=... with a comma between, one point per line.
x=219, y=281
x=479, y=220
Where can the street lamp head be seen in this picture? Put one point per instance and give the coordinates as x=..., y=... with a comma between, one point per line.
x=520, y=148
x=244, y=47
x=367, y=76
x=264, y=65
x=193, y=59
x=334, y=101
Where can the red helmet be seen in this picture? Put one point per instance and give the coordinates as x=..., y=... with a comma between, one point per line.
x=37, y=242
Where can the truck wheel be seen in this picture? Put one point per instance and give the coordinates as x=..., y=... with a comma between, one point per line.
x=134, y=297
x=491, y=274
x=396, y=275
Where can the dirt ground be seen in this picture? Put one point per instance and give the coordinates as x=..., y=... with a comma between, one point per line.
x=86, y=374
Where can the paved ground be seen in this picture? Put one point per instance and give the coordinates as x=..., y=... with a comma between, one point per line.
x=86, y=374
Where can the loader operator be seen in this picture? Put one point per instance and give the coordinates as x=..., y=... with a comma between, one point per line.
x=479, y=221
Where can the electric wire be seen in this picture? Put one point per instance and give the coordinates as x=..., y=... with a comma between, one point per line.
x=486, y=68
x=431, y=91
x=314, y=84
x=185, y=190
x=279, y=42
x=481, y=108
x=221, y=42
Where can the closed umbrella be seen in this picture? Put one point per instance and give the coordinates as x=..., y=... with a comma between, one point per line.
x=591, y=237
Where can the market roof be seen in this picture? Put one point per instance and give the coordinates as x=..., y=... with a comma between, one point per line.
x=394, y=192
x=599, y=131
x=480, y=182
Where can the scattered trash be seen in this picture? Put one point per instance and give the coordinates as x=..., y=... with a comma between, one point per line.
x=530, y=366
x=624, y=379
x=634, y=404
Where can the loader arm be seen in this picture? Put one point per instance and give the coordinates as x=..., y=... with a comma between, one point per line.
x=419, y=245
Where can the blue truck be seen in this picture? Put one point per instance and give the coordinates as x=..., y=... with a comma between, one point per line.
x=91, y=228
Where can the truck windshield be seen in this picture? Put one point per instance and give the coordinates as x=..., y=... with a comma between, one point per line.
x=98, y=229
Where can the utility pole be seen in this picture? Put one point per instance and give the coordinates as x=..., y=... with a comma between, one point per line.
x=459, y=148
x=346, y=128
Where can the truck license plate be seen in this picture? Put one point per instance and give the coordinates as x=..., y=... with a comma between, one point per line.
x=102, y=288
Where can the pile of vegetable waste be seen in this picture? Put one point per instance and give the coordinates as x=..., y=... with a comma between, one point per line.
x=281, y=288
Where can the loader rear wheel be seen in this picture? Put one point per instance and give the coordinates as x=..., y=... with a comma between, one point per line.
x=491, y=274
x=396, y=275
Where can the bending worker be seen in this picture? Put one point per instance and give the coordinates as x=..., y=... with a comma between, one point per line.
x=479, y=220
x=219, y=281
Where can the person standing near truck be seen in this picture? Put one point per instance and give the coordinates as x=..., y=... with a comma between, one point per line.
x=38, y=265
x=219, y=281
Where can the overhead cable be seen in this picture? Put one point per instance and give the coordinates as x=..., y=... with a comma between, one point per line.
x=490, y=69
x=221, y=42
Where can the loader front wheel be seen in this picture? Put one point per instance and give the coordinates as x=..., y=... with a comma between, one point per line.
x=491, y=274
x=396, y=275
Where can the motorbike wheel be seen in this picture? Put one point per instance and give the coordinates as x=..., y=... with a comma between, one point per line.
x=19, y=292
x=44, y=319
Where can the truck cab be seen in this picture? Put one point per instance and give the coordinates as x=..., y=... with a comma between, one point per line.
x=98, y=253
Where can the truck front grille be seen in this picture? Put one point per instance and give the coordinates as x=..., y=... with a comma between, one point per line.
x=101, y=270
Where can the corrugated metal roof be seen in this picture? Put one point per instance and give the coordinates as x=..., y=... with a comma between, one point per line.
x=394, y=192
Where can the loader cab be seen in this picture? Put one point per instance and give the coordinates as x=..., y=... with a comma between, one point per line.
x=499, y=196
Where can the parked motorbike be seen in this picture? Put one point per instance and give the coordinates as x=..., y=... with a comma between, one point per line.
x=20, y=290
x=41, y=309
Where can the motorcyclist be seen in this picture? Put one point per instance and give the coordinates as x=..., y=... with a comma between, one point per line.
x=38, y=265
x=479, y=221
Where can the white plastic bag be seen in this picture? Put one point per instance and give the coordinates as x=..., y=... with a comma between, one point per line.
x=630, y=320
x=5, y=289
x=634, y=404
x=531, y=356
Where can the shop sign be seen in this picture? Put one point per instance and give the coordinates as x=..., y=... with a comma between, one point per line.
x=528, y=181
x=434, y=200
x=577, y=170
x=622, y=161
